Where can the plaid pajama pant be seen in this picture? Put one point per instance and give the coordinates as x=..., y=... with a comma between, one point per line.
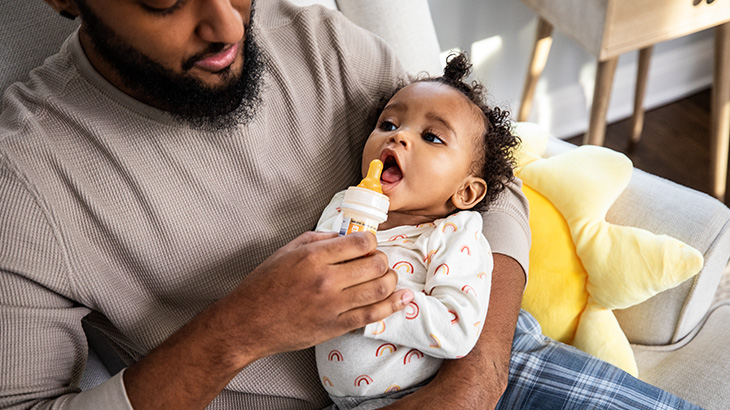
x=549, y=375
x=545, y=374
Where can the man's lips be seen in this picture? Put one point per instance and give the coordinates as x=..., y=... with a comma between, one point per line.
x=219, y=61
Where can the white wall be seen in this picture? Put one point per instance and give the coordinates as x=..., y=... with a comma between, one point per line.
x=499, y=35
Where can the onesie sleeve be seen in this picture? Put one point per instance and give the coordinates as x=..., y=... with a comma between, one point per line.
x=331, y=218
x=446, y=319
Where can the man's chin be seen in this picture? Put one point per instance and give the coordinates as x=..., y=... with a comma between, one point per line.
x=205, y=99
x=215, y=83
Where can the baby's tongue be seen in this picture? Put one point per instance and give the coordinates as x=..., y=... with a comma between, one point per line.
x=391, y=174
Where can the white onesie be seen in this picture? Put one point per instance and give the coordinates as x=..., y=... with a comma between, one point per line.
x=448, y=263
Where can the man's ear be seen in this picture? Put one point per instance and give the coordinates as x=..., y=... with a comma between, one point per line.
x=471, y=192
x=66, y=8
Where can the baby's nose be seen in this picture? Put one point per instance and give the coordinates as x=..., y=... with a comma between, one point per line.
x=401, y=137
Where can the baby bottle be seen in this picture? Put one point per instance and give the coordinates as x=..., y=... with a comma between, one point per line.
x=365, y=207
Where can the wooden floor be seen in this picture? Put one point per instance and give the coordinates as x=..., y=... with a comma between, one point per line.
x=675, y=142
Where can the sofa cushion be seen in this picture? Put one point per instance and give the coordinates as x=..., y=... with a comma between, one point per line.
x=401, y=24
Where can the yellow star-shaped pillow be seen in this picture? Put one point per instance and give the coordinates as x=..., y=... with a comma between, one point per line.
x=582, y=267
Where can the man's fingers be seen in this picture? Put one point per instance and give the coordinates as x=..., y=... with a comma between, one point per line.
x=359, y=317
x=309, y=237
x=370, y=291
x=344, y=248
x=363, y=269
x=343, y=261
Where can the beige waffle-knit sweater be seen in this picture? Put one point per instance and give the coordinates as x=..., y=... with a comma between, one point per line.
x=112, y=208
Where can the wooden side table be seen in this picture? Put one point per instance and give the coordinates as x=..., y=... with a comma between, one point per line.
x=609, y=28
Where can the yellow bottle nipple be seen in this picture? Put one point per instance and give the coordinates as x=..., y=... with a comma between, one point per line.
x=372, y=179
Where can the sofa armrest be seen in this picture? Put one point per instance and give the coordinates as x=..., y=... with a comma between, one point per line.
x=701, y=221
x=695, y=368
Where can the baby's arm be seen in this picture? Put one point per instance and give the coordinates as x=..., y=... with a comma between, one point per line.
x=331, y=218
x=445, y=320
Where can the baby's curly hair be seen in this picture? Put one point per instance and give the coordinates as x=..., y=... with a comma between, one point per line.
x=496, y=166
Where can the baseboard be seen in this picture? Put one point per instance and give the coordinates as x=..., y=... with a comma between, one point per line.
x=673, y=74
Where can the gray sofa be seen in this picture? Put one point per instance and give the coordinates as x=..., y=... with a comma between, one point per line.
x=679, y=336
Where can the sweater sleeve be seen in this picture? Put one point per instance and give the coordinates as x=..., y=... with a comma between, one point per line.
x=109, y=395
x=507, y=225
x=42, y=344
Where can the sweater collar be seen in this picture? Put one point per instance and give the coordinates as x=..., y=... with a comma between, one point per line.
x=89, y=73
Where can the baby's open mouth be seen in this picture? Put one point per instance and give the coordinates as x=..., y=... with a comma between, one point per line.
x=391, y=170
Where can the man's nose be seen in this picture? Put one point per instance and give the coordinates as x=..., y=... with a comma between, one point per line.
x=220, y=22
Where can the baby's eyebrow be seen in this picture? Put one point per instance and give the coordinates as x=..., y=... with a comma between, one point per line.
x=395, y=106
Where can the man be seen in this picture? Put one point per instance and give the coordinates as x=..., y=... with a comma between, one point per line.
x=156, y=176
x=159, y=171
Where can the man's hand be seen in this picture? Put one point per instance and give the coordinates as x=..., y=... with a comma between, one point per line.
x=316, y=287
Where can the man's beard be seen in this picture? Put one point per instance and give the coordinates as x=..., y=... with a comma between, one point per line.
x=183, y=96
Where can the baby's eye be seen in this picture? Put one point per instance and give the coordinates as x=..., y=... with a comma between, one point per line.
x=387, y=126
x=430, y=137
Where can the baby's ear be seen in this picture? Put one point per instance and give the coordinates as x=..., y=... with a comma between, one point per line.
x=471, y=192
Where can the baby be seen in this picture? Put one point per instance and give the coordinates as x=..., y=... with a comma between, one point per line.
x=446, y=155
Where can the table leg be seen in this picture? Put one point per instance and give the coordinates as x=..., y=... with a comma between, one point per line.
x=601, y=97
x=543, y=42
x=637, y=120
x=720, y=128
